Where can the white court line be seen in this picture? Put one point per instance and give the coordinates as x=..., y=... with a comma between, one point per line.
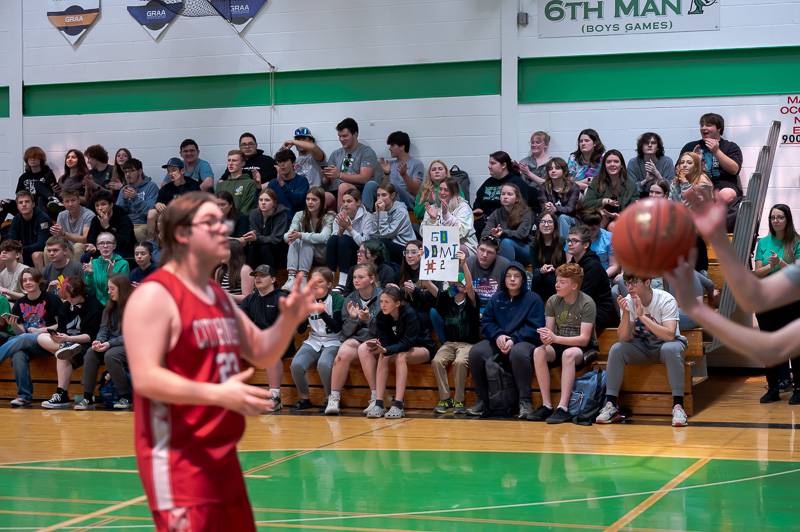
x=473, y=509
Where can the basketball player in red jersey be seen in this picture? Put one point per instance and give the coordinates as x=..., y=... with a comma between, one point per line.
x=185, y=342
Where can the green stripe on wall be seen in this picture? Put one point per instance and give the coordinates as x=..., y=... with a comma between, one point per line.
x=4, y=105
x=436, y=80
x=703, y=73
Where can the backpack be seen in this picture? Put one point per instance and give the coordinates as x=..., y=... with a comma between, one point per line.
x=503, y=395
x=587, y=397
x=108, y=392
x=462, y=178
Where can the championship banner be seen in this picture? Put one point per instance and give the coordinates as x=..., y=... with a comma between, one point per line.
x=153, y=16
x=239, y=12
x=439, y=247
x=72, y=17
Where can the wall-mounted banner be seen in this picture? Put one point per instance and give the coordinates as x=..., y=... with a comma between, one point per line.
x=239, y=12
x=439, y=247
x=72, y=17
x=568, y=18
x=154, y=17
x=790, y=118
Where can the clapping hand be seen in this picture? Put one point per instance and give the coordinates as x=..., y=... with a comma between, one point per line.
x=622, y=303
x=300, y=302
x=386, y=166
x=497, y=231
x=773, y=259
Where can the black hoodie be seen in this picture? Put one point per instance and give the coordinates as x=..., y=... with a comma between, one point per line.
x=40, y=184
x=264, y=163
x=596, y=285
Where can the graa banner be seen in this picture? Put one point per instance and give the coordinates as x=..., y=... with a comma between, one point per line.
x=567, y=18
x=239, y=12
x=73, y=17
x=153, y=16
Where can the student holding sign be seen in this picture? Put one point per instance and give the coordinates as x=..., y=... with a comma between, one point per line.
x=453, y=210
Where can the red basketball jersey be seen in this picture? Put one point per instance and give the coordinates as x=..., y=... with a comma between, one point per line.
x=186, y=454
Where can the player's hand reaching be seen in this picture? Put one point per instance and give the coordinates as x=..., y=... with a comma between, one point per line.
x=300, y=302
x=708, y=212
x=681, y=281
x=240, y=397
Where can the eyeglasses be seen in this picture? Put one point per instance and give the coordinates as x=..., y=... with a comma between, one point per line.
x=777, y=218
x=574, y=241
x=631, y=282
x=106, y=243
x=361, y=252
x=546, y=222
x=215, y=223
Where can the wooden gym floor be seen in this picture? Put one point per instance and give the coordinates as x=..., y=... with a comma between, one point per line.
x=734, y=468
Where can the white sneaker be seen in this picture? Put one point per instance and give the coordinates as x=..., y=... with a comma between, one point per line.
x=376, y=411
x=609, y=414
x=333, y=407
x=394, y=413
x=369, y=406
x=289, y=284
x=679, y=417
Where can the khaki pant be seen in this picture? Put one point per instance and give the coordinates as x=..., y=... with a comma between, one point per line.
x=140, y=232
x=456, y=353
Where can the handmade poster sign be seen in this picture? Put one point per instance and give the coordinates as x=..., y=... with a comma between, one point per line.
x=439, y=247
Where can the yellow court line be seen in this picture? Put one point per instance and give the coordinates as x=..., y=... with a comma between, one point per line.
x=98, y=524
x=96, y=513
x=278, y=461
x=27, y=512
x=656, y=496
x=78, y=469
x=52, y=499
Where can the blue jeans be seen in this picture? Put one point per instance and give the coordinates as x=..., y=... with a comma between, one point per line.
x=513, y=250
x=565, y=223
x=22, y=370
x=16, y=343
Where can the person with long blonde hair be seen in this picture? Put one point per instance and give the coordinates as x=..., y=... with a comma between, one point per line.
x=428, y=192
x=689, y=172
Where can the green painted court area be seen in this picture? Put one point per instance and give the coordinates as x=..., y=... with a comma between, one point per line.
x=433, y=490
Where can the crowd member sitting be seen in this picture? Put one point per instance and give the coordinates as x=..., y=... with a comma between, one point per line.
x=360, y=308
x=111, y=220
x=547, y=254
x=117, y=173
x=510, y=325
x=175, y=185
x=568, y=340
x=428, y=192
x=108, y=347
x=99, y=169
x=511, y=225
x=648, y=333
x=403, y=171
x=689, y=174
x=659, y=189
x=12, y=269
x=373, y=252
x=601, y=242
x=256, y=163
x=595, y=278
x=611, y=191
x=31, y=228
x=229, y=273
x=415, y=295
x=534, y=167
x=289, y=186
x=73, y=222
x=721, y=158
x=137, y=197
x=559, y=195
x=75, y=170
x=310, y=230
x=774, y=252
x=98, y=271
x=238, y=222
x=143, y=255
x=239, y=183
x=78, y=323
x=34, y=313
x=6, y=331
x=453, y=210
x=650, y=164
x=261, y=306
x=310, y=160
x=487, y=269
x=399, y=339
x=193, y=168
x=60, y=264
x=352, y=226
x=323, y=341
x=487, y=198
x=392, y=223
x=38, y=179
x=354, y=164
x=268, y=223
x=584, y=162
x=458, y=308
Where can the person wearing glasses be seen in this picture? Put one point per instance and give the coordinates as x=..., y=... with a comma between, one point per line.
x=98, y=271
x=373, y=252
x=595, y=279
x=256, y=163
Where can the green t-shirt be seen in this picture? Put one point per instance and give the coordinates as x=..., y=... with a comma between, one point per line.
x=768, y=244
x=5, y=308
x=569, y=317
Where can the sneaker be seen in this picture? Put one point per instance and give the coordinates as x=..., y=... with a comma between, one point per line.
x=369, y=406
x=540, y=414
x=679, y=417
x=795, y=398
x=332, y=409
x=84, y=404
x=394, y=412
x=123, y=403
x=54, y=204
x=477, y=409
x=375, y=411
x=289, y=284
x=57, y=401
x=20, y=402
x=276, y=404
x=785, y=385
x=525, y=409
x=559, y=416
x=67, y=351
x=458, y=408
x=609, y=414
x=303, y=404
x=443, y=406
x=771, y=396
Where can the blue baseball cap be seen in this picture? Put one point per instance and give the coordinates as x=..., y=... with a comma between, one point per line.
x=173, y=161
x=301, y=132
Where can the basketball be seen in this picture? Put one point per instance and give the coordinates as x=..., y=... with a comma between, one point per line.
x=651, y=235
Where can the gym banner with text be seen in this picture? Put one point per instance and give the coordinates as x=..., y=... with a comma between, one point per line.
x=153, y=16
x=73, y=17
x=568, y=18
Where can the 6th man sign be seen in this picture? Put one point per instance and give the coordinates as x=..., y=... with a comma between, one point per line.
x=565, y=18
